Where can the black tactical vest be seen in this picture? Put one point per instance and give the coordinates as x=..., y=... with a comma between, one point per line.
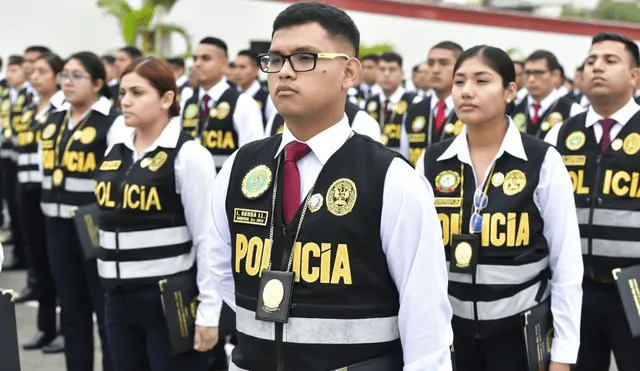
x=261, y=97
x=391, y=124
x=11, y=115
x=27, y=138
x=557, y=113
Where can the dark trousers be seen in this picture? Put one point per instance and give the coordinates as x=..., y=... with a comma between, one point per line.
x=139, y=336
x=226, y=328
x=80, y=293
x=9, y=181
x=503, y=352
x=604, y=329
x=33, y=227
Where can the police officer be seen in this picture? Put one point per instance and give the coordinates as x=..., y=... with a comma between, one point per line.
x=330, y=238
x=508, y=226
x=359, y=121
x=246, y=76
x=600, y=149
x=433, y=119
x=125, y=56
x=73, y=142
x=216, y=114
x=545, y=106
x=150, y=187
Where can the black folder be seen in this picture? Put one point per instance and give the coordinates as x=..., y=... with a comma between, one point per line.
x=86, y=221
x=629, y=291
x=538, y=335
x=180, y=304
x=9, y=352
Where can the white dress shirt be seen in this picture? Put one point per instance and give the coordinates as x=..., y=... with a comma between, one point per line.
x=554, y=199
x=411, y=239
x=247, y=118
x=195, y=172
x=183, y=79
x=520, y=95
x=548, y=102
x=593, y=119
x=14, y=93
x=404, y=138
x=252, y=89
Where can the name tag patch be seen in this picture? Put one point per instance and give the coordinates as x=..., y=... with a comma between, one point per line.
x=110, y=165
x=574, y=160
x=447, y=201
x=248, y=216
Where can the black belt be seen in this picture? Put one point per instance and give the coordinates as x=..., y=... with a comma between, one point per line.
x=391, y=362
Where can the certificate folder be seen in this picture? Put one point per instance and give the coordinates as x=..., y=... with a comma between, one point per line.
x=629, y=290
x=86, y=221
x=538, y=334
x=9, y=353
x=179, y=295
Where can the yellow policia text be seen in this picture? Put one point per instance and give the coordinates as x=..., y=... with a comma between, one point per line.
x=312, y=262
x=73, y=161
x=621, y=183
x=498, y=229
x=392, y=131
x=218, y=139
x=577, y=178
x=135, y=197
x=26, y=137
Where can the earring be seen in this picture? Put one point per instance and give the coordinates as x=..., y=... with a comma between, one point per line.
x=508, y=100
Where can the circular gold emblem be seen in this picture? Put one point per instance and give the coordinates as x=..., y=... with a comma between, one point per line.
x=341, y=197
x=545, y=126
x=315, y=203
x=372, y=106
x=49, y=131
x=77, y=135
x=27, y=117
x=57, y=177
x=418, y=124
x=272, y=295
x=256, y=182
x=448, y=128
x=88, y=135
x=145, y=162
x=223, y=110
x=191, y=111
x=457, y=128
x=514, y=182
x=158, y=160
x=555, y=118
x=20, y=101
x=447, y=181
x=631, y=144
x=213, y=113
x=463, y=254
x=6, y=91
x=520, y=121
x=616, y=144
x=575, y=140
x=401, y=107
x=7, y=133
x=6, y=105
x=497, y=179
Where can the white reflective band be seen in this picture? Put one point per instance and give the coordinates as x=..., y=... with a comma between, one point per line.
x=46, y=182
x=30, y=176
x=54, y=210
x=6, y=153
x=147, y=268
x=502, y=308
x=79, y=185
x=583, y=215
x=321, y=330
x=145, y=239
x=28, y=159
x=615, y=249
x=219, y=160
x=233, y=367
x=616, y=218
x=502, y=274
x=584, y=243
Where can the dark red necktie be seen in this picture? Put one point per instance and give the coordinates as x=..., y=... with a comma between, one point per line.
x=205, y=101
x=605, y=142
x=293, y=152
x=386, y=110
x=440, y=115
x=536, y=113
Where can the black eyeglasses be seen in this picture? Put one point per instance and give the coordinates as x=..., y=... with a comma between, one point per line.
x=300, y=62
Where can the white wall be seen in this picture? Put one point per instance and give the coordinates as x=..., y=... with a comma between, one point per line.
x=72, y=25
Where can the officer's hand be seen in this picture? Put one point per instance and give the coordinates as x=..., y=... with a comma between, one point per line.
x=559, y=367
x=205, y=338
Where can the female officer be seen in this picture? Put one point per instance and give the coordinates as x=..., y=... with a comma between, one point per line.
x=153, y=224
x=43, y=81
x=73, y=141
x=509, y=225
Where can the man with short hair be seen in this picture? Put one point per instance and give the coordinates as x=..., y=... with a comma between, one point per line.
x=246, y=76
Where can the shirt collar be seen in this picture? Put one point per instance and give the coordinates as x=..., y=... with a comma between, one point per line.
x=393, y=98
x=546, y=102
x=168, y=138
x=324, y=144
x=113, y=82
x=215, y=92
x=512, y=144
x=181, y=80
x=623, y=115
x=102, y=105
x=253, y=89
x=448, y=101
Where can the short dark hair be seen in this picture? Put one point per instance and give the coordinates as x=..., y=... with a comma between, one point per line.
x=253, y=56
x=415, y=68
x=519, y=63
x=552, y=61
x=216, y=42
x=54, y=61
x=580, y=68
x=391, y=57
x=131, y=51
x=449, y=45
x=38, y=48
x=495, y=58
x=110, y=59
x=0, y=63
x=15, y=60
x=371, y=57
x=232, y=64
x=629, y=44
x=176, y=62
x=335, y=21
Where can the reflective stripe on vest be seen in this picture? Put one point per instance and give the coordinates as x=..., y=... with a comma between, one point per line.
x=6, y=153
x=145, y=239
x=72, y=184
x=321, y=330
x=502, y=274
x=219, y=160
x=29, y=176
x=610, y=218
x=28, y=159
x=54, y=210
x=611, y=248
x=502, y=308
x=148, y=268
x=233, y=367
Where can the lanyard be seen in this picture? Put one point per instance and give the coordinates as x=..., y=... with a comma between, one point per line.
x=71, y=139
x=486, y=189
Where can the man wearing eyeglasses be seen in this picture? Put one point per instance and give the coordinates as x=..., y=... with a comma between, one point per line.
x=217, y=115
x=545, y=106
x=325, y=242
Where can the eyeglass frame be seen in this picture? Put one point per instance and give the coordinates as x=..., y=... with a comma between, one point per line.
x=477, y=209
x=286, y=57
x=62, y=77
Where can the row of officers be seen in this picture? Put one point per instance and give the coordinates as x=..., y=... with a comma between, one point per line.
x=332, y=251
